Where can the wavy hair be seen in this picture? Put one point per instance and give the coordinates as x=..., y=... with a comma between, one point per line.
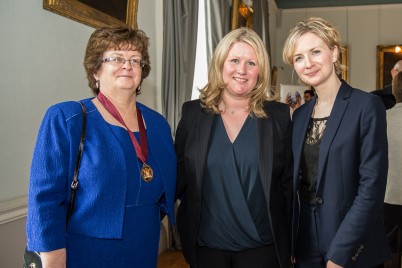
x=211, y=93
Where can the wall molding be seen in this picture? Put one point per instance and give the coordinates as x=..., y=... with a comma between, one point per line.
x=13, y=209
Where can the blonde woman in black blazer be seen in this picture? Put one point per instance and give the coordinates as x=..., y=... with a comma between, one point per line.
x=340, y=154
x=234, y=163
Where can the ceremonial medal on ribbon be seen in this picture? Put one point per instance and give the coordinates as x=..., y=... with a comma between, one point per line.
x=147, y=174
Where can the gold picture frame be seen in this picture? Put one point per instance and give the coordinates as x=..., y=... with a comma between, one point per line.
x=242, y=15
x=344, y=61
x=386, y=59
x=88, y=15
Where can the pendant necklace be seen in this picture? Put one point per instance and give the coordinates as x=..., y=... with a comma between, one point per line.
x=141, y=149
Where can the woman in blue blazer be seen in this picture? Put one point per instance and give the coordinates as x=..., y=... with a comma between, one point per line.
x=117, y=212
x=340, y=159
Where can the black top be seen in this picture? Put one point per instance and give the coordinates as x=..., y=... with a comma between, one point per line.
x=234, y=214
x=386, y=96
x=309, y=160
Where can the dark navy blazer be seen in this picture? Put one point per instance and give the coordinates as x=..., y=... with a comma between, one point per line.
x=351, y=178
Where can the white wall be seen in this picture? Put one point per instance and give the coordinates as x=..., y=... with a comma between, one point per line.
x=150, y=20
x=362, y=28
x=41, y=64
x=41, y=56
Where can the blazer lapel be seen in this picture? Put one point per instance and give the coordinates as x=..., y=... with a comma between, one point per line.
x=299, y=133
x=334, y=121
x=265, y=151
x=203, y=135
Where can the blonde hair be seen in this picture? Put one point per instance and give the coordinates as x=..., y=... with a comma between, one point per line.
x=397, y=87
x=321, y=28
x=211, y=94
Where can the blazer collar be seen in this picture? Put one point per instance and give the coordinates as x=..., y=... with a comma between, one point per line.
x=265, y=152
x=301, y=120
x=333, y=123
x=206, y=121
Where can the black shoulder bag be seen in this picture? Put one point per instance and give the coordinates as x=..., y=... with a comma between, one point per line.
x=32, y=258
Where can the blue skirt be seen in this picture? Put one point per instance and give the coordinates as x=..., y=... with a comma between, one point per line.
x=137, y=248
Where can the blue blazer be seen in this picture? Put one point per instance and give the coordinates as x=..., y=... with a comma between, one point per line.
x=351, y=178
x=102, y=178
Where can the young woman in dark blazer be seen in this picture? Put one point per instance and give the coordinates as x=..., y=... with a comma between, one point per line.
x=340, y=156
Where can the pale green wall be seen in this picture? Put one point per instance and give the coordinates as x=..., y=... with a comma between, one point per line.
x=41, y=55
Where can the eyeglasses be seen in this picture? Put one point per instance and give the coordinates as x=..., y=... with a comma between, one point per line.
x=120, y=61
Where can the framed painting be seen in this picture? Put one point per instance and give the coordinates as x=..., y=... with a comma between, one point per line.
x=96, y=13
x=386, y=59
x=242, y=14
x=344, y=61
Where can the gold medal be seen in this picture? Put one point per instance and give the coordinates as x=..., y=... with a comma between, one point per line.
x=147, y=174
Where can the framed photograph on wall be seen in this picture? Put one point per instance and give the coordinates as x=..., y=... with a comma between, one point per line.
x=96, y=13
x=291, y=93
x=242, y=14
x=344, y=61
x=386, y=59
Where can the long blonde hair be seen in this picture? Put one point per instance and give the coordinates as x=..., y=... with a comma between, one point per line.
x=211, y=94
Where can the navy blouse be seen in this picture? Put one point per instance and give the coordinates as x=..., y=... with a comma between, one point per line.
x=233, y=217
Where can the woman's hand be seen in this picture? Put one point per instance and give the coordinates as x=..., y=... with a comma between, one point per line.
x=293, y=103
x=330, y=264
x=54, y=259
x=293, y=260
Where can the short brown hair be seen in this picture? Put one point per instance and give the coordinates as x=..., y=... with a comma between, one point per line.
x=114, y=38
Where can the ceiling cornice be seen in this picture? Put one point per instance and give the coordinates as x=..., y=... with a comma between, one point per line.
x=288, y=4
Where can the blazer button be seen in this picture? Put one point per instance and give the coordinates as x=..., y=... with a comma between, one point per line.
x=318, y=200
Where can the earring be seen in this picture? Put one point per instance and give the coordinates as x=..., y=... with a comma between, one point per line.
x=97, y=84
x=138, y=89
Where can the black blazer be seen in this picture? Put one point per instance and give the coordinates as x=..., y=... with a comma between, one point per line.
x=386, y=96
x=275, y=166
